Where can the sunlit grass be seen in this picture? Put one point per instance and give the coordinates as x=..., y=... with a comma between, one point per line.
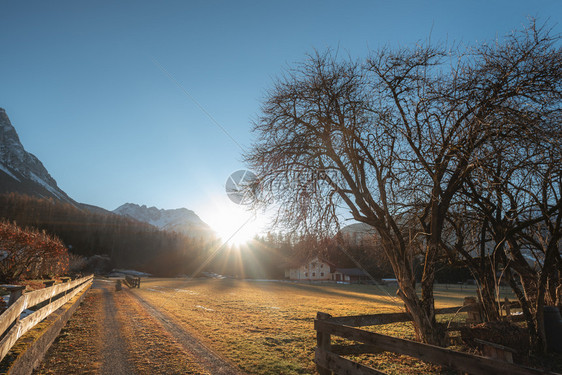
x=267, y=327
x=146, y=340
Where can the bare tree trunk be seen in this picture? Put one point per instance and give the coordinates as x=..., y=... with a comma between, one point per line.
x=423, y=314
x=488, y=296
x=487, y=280
x=532, y=311
x=539, y=341
x=422, y=310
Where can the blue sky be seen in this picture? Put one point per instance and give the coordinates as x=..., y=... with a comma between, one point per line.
x=80, y=83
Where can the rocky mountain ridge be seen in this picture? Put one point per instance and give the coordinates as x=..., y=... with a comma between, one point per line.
x=21, y=171
x=179, y=220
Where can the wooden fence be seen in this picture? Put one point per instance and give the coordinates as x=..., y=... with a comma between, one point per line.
x=46, y=301
x=132, y=282
x=329, y=358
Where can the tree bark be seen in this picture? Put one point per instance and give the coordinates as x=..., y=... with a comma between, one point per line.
x=423, y=316
x=488, y=296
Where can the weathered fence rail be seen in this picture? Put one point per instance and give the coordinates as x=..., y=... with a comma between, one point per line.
x=329, y=358
x=53, y=297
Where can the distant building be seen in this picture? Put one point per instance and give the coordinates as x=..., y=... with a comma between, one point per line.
x=316, y=269
x=350, y=275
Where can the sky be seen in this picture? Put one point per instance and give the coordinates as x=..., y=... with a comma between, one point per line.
x=152, y=102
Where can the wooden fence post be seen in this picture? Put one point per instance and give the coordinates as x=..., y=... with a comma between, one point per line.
x=324, y=342
x=507, y=308
x=65, y=279
x=473, y=310
x=16, y=291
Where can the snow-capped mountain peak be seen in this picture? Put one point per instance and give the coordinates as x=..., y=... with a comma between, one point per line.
x=179, y=220
x=21, y=171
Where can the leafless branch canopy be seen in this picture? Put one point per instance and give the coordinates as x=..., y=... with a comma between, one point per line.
x=403, y=139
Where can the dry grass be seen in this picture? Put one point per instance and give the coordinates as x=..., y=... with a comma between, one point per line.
x=77, y=350
x=267, y=327
x=262, y=327
x=79, y=347
x=151, y=348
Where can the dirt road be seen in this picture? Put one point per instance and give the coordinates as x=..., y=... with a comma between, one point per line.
x=114, y=353
x=208, y=359
x=120, y=333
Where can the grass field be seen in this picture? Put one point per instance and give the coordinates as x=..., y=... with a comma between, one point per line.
x=267, y=327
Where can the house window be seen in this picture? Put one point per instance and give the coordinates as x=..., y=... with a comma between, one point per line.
x=313, y=274
x=321, y=273
x=306, y=274
x=321, y=265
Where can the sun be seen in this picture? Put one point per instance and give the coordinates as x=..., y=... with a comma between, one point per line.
x=234, y=224
x=237, y=229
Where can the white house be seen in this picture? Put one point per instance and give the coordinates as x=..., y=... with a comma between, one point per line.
x=316, y=269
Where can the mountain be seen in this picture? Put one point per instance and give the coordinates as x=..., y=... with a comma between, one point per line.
x=22, y=172
x=358, y=232
x=179, y=220
x=359, y=228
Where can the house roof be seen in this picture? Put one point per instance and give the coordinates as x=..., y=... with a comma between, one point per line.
x=324, y=261
x=299, y=263
x=351, y=271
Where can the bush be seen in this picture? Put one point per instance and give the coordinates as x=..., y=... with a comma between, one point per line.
x=29, y=253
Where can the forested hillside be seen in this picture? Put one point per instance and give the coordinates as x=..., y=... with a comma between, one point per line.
x=129, y=243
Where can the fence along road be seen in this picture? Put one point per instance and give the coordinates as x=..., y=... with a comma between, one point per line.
x=12, y=327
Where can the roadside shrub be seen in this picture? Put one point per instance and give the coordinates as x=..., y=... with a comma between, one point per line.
x=76, y=263
x=29, y=253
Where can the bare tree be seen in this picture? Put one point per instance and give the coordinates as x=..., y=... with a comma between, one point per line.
x=394, y=140
x=324, y=143
x=467, y=240
x=514, y=187
x=524, y=219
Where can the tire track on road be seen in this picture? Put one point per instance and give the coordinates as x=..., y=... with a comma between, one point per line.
x=114, y=352
x=209, y=359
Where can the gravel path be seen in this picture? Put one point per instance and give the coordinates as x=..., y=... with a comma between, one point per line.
x=114, y=354
x=98, y=341
x=208, y=359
